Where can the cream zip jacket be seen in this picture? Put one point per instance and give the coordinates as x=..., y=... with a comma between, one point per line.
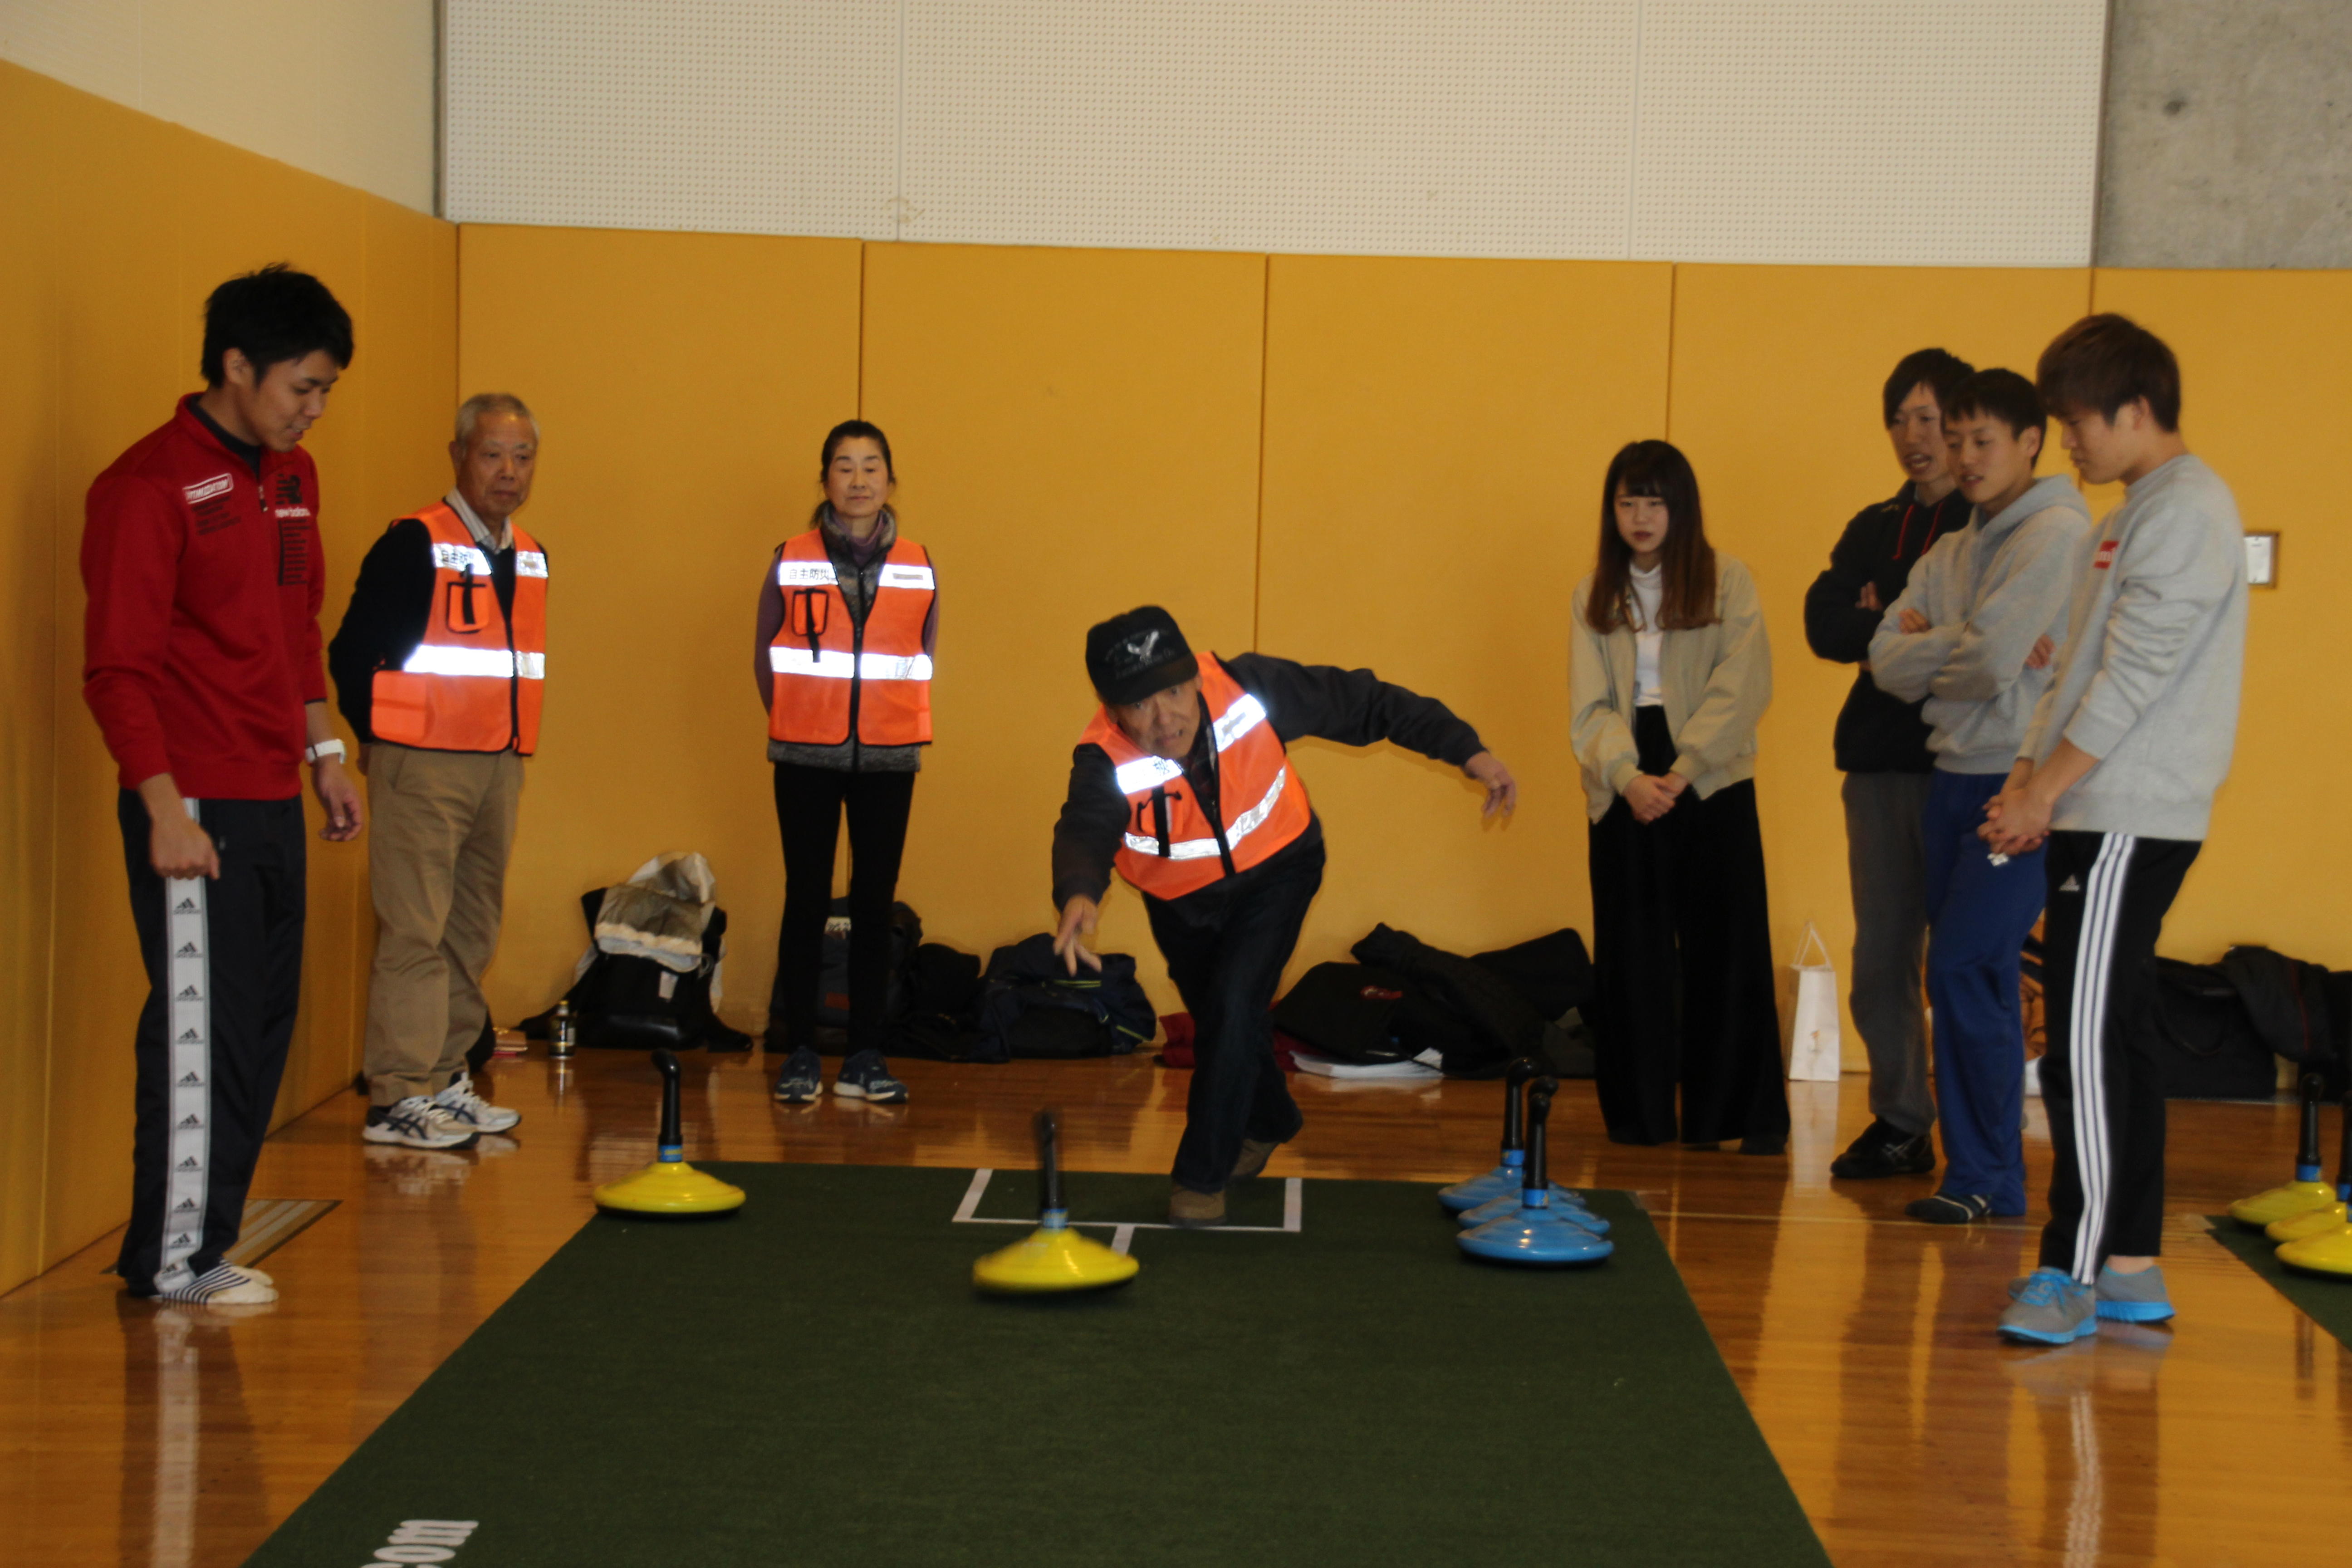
x=1718, y=683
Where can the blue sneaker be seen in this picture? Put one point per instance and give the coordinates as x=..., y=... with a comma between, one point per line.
x=802, y=1078
x=2048, y=1308
x=2133, y=1298
x=867, y=1077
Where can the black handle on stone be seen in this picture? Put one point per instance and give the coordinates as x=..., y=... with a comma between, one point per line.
x=1538, y=1113
x=1049, y=1167
x=1514, y=1080
x=673, y=1135
x=2307, y=1154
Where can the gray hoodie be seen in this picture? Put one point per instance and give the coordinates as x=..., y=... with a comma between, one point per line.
x=1988, y=590
x=2150, y=686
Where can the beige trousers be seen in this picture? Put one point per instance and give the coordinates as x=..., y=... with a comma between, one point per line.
x=441, y=825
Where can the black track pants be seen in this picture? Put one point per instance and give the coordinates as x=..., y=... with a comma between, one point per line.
x=224, y=976
x=1682, y=952
x=2101, y=1083
x=809, y=806
x=1225, y=947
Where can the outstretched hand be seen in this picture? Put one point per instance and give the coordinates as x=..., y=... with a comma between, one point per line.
x=1502, y=789
x=1078, y=917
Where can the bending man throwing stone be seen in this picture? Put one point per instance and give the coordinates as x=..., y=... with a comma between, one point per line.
x=1182, y=783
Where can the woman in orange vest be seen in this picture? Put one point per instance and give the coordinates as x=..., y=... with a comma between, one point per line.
x=848, y=623
x=1669, y=672
x=1183, y=783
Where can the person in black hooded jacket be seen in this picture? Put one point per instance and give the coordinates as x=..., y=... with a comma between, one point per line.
x=1881, y=749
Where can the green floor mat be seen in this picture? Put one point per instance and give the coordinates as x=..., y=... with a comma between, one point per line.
x=813, y=1382
x=2325, y=1298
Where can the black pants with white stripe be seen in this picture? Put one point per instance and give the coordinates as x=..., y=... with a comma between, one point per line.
x=225, y=975
x=2100, y=1080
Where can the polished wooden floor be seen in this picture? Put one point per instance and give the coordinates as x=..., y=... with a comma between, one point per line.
x=176, y=1437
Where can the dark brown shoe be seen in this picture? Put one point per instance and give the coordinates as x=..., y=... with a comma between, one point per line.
x=1188, y=1210
x=1254, y=1154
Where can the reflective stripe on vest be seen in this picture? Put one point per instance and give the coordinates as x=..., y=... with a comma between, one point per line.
x=825, y=666
x=474, y=682
x=1252, y=766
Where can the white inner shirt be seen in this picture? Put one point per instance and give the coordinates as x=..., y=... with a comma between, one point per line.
x=1647, y=588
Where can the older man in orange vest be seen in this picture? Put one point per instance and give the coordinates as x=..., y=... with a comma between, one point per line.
x=1183, y=784
x=438, y=666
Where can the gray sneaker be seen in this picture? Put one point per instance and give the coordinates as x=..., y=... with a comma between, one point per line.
x=2047, y=1308
x=2133, y=1298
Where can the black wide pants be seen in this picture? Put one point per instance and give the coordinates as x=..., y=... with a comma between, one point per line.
x=1683, y=960
x=810, y=803
x=2102, y=1083
x=1226, y=946
x=224, y=976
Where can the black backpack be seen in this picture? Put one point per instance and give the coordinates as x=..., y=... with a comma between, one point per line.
x=626, y=1002
x=2293, y=1006
x=2207, y=1046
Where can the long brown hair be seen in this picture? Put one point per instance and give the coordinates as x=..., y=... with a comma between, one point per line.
x=1686, y=595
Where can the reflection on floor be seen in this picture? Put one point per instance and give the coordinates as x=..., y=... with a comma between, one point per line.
x=1861, y=1339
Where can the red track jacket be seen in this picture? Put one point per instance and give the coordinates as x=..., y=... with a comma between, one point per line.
x=201, y=643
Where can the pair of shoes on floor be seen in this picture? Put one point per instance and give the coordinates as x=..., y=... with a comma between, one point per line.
x=1188, y=1210
x=2049, y=1307
x=1885, y=1150
x=865, y=1076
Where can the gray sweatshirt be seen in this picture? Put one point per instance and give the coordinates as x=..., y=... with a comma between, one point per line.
x=1989, y=590
x=2151, y=685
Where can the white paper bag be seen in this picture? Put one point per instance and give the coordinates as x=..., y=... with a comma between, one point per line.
x=1813, y=1040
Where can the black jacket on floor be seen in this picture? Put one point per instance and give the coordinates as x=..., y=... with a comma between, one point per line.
x=1876, y=733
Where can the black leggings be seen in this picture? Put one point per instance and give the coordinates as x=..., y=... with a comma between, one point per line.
x=809, y=803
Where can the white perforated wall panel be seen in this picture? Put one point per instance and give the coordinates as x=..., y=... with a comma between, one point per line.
x=1421, y=126
x=760, y=116
x=1800, y=131
x=1868, y=131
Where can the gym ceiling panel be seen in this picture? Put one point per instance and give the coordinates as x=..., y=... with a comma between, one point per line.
x=1881, y=132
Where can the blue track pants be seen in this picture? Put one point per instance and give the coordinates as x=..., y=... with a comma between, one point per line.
x=1978, y=915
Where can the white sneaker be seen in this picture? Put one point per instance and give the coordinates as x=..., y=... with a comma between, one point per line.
x=417, y=1122
x=225, y=1286
x=470, y=1109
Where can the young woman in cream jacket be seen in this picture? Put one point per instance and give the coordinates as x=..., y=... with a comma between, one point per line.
x=1669, y=672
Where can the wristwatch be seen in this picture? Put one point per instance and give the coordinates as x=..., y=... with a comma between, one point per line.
x=324, y=749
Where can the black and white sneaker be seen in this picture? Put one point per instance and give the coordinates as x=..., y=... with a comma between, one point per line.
x=224, y=1285
x=417, y=1122
x=470, y=1109
x=1885, y=1150
x=1951, y=1208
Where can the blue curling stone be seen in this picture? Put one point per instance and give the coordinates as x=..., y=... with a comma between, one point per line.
x=1503, y=1180
x=1534, y=1238
x=1565, y=1206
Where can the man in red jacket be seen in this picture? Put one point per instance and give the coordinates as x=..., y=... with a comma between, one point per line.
x=200, y=555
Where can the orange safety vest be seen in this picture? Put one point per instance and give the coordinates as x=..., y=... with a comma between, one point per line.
x=1171, y=847
x=829, y=671
x=474, y=681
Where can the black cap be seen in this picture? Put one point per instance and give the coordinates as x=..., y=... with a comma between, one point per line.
x=1130, y=657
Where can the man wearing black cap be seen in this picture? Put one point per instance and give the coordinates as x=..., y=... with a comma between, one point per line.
x=1183, y=784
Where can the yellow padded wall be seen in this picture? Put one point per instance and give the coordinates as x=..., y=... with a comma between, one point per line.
x=1076, y=433
x=1436, y=437
x=683, y=382
x=1776, y=373
x=135, y=222
x=31, y=548
x=2261, y=357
